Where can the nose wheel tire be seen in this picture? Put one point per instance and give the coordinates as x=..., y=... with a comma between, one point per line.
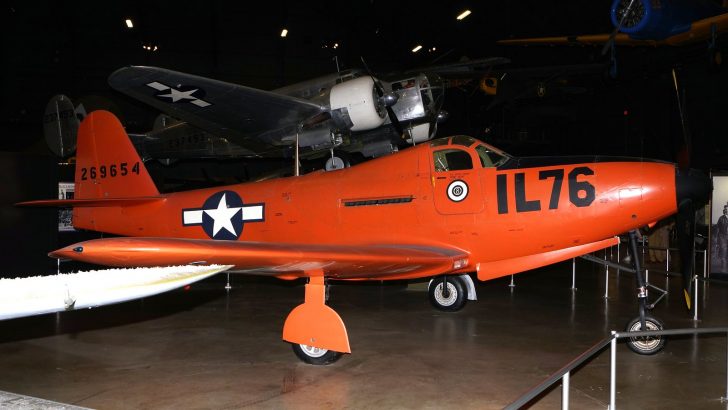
x=450, y=300
x=645, y=345
x=314, y=355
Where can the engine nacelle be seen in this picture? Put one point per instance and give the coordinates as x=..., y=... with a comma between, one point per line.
x=359, y=99
x=659, y=19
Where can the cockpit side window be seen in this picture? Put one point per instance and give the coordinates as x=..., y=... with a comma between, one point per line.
x=452, y=160
x=489, y=158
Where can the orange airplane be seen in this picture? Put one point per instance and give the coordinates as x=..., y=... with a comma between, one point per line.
x=441, y=209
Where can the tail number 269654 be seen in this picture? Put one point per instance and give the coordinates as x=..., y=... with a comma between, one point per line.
x=109, y=171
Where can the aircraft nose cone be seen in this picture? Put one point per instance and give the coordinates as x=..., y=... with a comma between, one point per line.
x=692, y=184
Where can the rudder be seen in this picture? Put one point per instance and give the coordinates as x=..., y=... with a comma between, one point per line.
x=107, y=164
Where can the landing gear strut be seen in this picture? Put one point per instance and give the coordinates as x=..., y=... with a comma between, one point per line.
x=646, y=345
x=316, y=331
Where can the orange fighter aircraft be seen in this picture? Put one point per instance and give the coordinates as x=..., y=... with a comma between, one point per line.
x=441, y=209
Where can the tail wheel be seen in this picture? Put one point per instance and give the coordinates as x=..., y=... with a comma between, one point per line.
x=451, y=298
x=645, y=345
x=315, y=355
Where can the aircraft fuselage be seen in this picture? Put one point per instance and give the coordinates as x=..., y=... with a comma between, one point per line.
x=503, y=216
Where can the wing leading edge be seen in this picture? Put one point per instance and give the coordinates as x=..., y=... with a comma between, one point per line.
x=286, y=261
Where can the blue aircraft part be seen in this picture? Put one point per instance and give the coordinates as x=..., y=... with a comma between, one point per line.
x=664, y=18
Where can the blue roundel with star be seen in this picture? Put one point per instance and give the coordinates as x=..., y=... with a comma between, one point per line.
x=223, y=215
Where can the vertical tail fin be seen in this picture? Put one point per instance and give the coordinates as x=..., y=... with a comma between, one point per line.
x=107, y=165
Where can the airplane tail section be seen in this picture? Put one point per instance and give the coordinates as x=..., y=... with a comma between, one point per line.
x=109, y=176
x=107, y=165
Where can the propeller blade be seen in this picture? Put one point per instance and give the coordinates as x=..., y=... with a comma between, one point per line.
x=613, y=35
x=395, y=121
x=692, y=189
x=686, y=239
x=384, y=100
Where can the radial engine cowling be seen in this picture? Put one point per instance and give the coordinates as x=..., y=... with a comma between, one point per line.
x=659, y=19
x=359, y=101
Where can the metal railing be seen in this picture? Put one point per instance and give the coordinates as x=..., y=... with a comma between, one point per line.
x=564, y=374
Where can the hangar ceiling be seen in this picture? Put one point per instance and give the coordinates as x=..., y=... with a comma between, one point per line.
x=72, y=47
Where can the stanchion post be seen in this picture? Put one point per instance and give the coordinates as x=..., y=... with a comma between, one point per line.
x=667, y=260
x=613, y=373
x=573, y=273
x=512, y=284
x=618, y=259
x=606, y=281
x=565, y=391
x=723, y=399
x=618, y=243
x=695, y=301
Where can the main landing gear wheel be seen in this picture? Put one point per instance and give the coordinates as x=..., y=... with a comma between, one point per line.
x=646, y=345
x=448, y=294
x=315, y=355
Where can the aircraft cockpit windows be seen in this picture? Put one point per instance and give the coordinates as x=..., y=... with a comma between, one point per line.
x=439, y=141
x=452, y=160
x=489, y=158
x=463, y=140
x=346, y=76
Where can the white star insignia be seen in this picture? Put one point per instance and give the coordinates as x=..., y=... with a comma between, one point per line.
x=177, y=95
x=222, y=217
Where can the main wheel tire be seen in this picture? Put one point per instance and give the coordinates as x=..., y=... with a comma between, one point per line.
x=456, y=297
x=314, y=355
x=646, y=345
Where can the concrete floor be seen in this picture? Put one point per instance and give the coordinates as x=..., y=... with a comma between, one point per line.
x=206, y=348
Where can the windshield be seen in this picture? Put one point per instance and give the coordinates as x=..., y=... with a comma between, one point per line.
x=489, y=156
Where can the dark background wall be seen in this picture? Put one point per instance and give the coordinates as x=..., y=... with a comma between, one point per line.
x=53, y=47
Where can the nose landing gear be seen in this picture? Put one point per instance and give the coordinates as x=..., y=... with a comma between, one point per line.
x=646, y=345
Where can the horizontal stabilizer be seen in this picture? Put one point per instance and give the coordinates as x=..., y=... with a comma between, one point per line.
x=95, y=202
x=56, y=293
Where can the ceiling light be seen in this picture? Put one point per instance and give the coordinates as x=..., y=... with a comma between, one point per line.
x=464, y=14
x=416, y=49
x=129, y=23
x=284, y=32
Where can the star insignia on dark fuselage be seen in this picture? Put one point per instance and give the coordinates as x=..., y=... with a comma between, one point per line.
x=223, y=215
x=183, y=93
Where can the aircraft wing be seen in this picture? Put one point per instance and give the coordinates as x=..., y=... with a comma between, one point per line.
x=582, y=40
x=699, y=30
x=57, y=293
x=288, y=261
x=460, y=68
x=224, y=109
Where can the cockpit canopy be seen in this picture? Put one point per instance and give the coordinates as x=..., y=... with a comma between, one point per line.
x=453, y=153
